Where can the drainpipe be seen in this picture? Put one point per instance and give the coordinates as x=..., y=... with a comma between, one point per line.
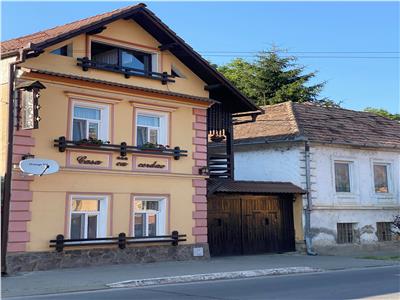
x=307, y=227
x=5, y=208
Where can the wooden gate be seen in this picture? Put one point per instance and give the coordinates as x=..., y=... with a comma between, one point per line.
x=247, y=224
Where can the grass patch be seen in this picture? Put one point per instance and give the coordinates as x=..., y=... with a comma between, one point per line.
x=396, y=257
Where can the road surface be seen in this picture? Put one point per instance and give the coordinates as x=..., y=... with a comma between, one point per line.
x=382, y=282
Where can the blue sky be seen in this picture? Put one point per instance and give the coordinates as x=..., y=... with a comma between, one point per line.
x=344, y=41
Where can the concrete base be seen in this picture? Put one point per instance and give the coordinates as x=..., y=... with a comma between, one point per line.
x=301, y=246
x=372, y=249
x=39, y=261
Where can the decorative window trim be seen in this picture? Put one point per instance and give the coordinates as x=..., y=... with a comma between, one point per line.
x=104, y=227
x=163, y=222
x=107, y=117
x=165, y=129
x=353, y=196
x=392, y=187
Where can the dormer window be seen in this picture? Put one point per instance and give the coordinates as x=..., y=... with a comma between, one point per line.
x=129, y=62
x=137, y=61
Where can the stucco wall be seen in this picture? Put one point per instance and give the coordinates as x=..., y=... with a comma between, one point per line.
x=39, y=206
x=362, y=206
x=279, y=163
x=282, y=162
x=127, y=34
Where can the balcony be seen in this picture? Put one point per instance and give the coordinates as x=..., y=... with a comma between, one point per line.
x=87, y=64
x=62, y=144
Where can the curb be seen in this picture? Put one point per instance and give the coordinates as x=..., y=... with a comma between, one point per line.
x=212, y=276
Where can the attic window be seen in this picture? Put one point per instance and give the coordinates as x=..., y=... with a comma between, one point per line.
x=63, y=51
x=176, y=73
x=137, y=61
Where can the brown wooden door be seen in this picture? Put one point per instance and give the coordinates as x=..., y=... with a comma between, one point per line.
x=242, y=224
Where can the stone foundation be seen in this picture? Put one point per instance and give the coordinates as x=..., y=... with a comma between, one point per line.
x=39, y=261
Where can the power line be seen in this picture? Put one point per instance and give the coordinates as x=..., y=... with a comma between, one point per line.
x=305, y=52
x=308, y=56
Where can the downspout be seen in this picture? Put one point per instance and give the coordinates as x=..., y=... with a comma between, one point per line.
x=5, y=208
x=308, y=209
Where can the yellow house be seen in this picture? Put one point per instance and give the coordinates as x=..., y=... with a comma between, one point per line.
x=123, y=111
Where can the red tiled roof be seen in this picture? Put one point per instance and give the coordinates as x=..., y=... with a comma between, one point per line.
x=290, y=121
x=45, y=35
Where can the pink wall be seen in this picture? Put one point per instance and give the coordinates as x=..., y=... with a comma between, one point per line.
x=200, y=156
x=21, y=196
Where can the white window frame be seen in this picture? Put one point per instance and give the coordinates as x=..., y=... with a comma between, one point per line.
x=163, y=134
x=388, y=176
x=392, y=187
x=102, y=219
x=103, y=123
x=346, y=198
x=351, y=172
x=161, y=214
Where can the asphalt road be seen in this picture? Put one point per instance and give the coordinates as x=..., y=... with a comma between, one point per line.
x=346, y=284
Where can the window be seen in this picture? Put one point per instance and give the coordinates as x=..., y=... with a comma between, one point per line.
x=124, y=58
x=88, y=217
x=151, y=128
x=63, y=51
x=345, y=233
x=89, y=122
x=381, y=182
x=384, y=231
x=342, y=177
x=149, y=217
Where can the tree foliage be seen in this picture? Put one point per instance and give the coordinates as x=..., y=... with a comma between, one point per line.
x=272, y=79
x=382, y=112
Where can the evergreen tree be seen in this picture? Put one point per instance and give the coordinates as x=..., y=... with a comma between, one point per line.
x=272, y=79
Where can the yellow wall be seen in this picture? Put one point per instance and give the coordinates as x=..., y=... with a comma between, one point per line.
x=49, y=192
x=49, y=201
x=48, y=206
x=131, y=33
x=4, y=80
x=297, y=217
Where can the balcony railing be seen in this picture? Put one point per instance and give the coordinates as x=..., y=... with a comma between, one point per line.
x=219, y=166
x=87, y=64
x=121, y=240
x=62, y=144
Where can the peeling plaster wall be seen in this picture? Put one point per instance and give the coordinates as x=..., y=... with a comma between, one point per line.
x=285, y=162
x=270, y=163
x=282, y=162
x=362, y=206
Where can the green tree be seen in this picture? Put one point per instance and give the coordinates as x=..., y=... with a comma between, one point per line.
x=272, y=79
x=382, y=112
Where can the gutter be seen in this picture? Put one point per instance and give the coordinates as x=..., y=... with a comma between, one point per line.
x=308, y=209
x=5, y=209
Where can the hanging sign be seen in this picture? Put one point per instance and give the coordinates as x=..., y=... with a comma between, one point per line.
x=29, y=109
x=38, y=166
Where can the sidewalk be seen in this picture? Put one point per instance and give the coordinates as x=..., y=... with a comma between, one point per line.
x=79, y=279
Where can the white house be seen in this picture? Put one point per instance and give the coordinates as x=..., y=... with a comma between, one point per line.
x=348, y=161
